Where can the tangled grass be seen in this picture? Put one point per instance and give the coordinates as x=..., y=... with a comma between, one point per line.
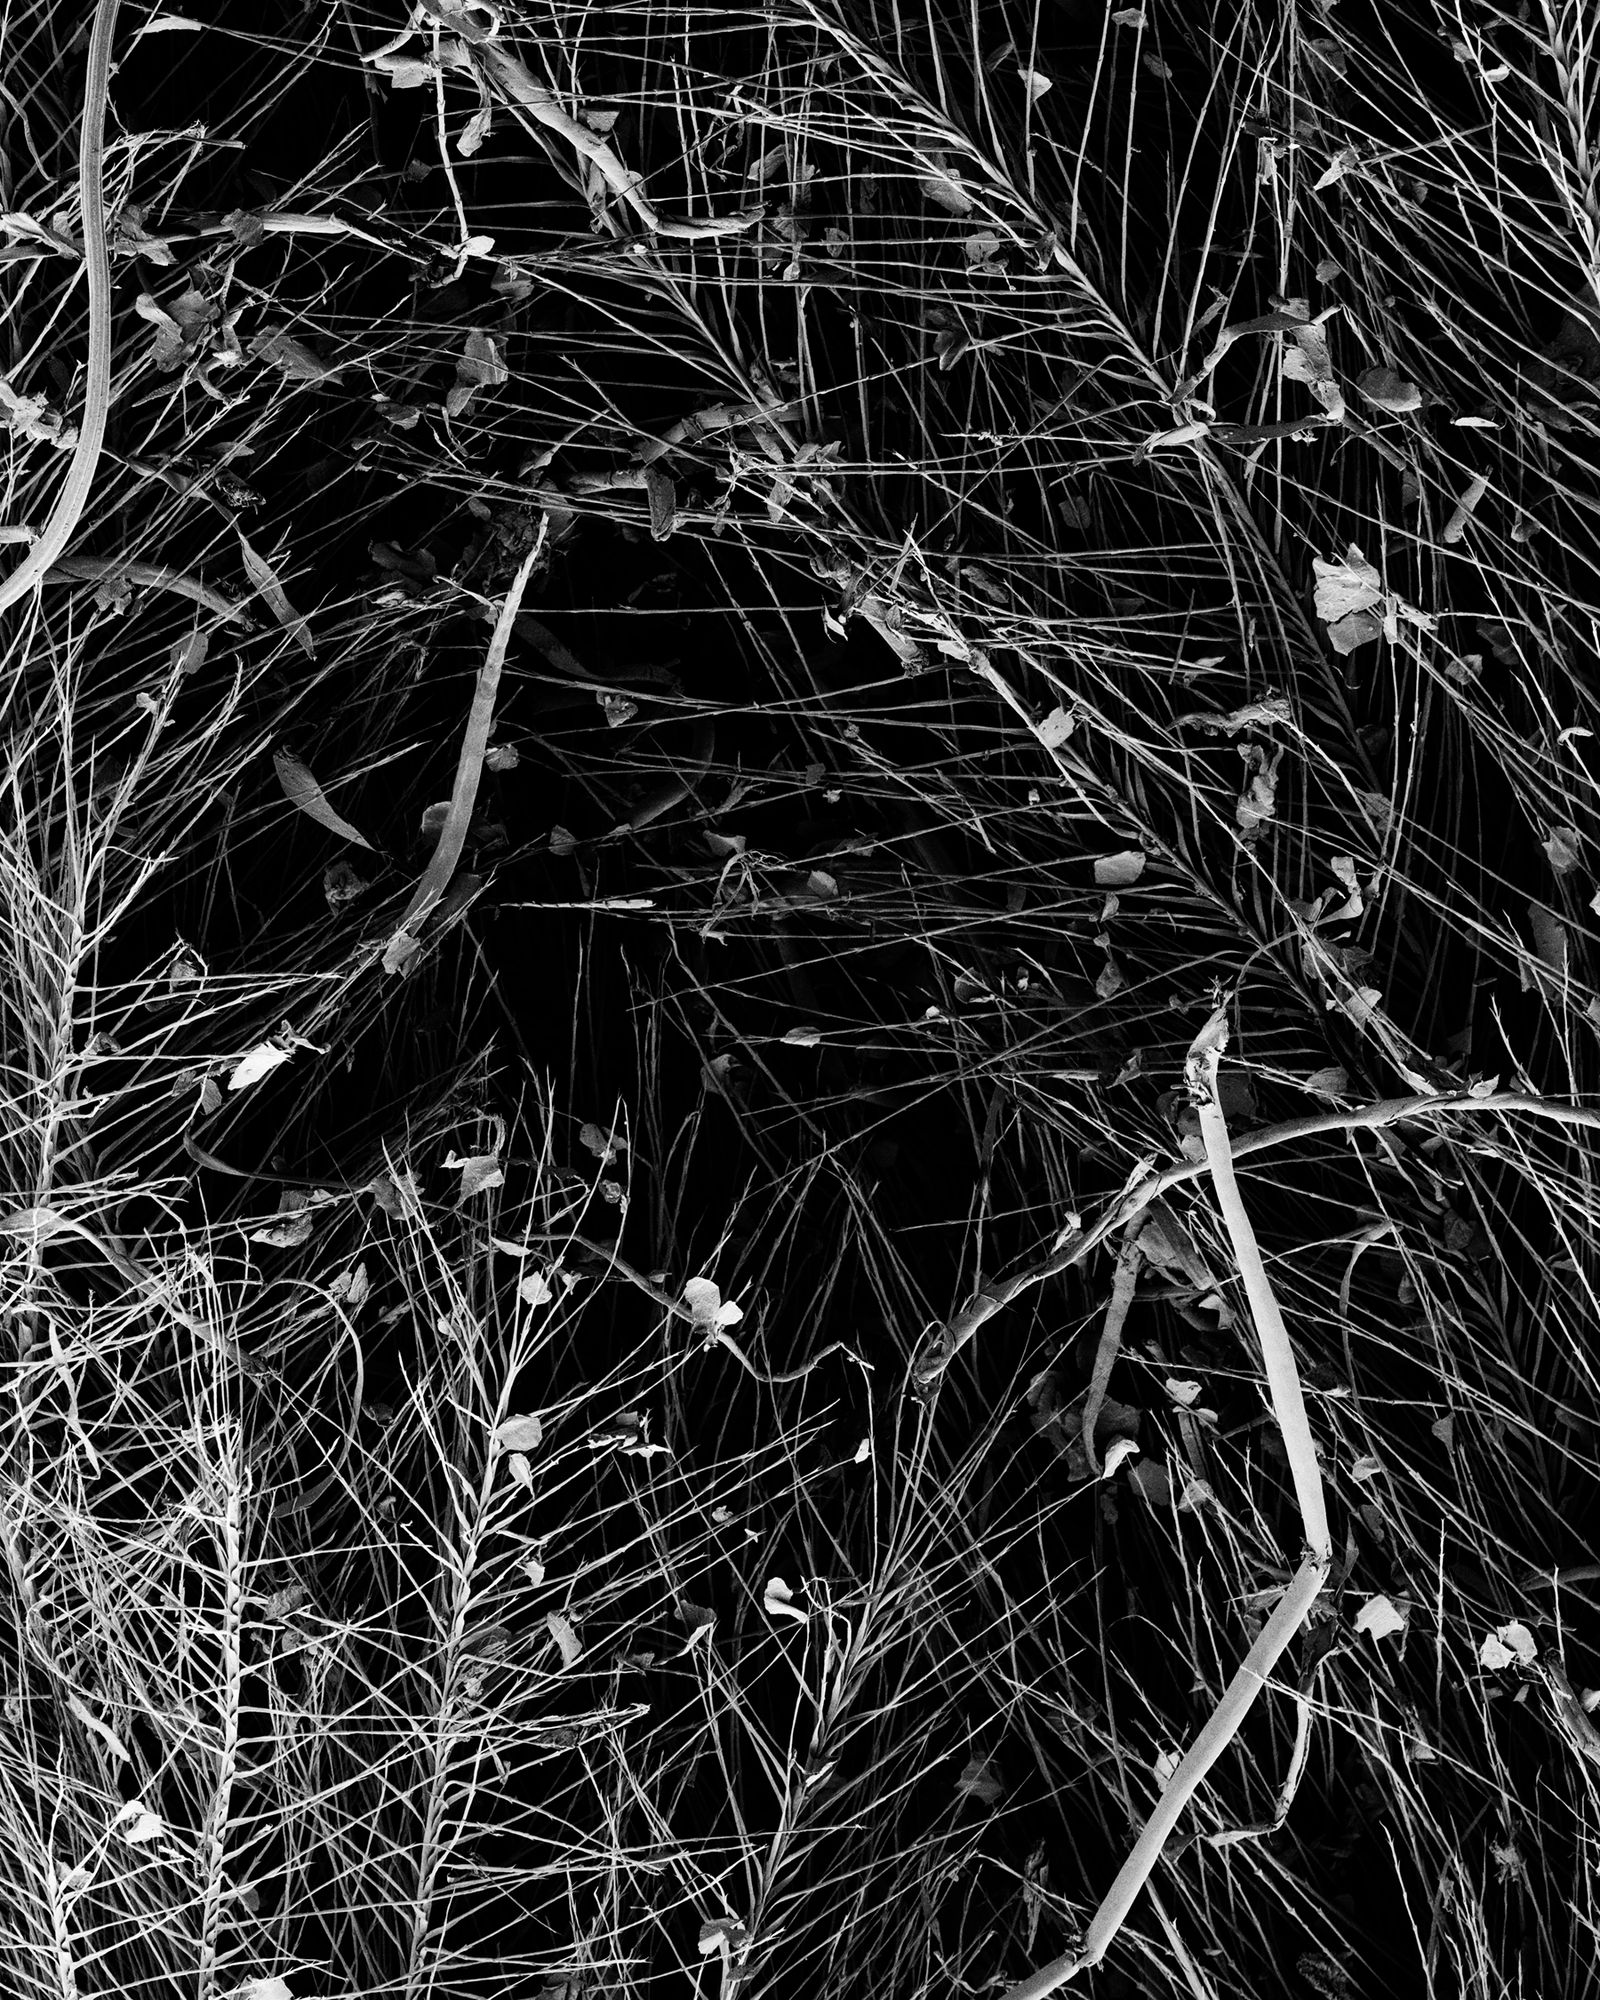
x=698, y=1425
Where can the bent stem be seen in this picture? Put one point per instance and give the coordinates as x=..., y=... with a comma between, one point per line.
x=74, y=495
x=1292, y=1609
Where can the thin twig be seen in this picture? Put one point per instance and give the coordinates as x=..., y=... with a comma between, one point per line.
x=948, y=1340
x=1123, y=1282
x=469, y=769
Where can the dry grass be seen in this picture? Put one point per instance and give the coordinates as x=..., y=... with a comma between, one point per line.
x=1032, y=540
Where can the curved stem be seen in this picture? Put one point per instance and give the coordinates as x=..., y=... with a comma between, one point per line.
x=74, y=494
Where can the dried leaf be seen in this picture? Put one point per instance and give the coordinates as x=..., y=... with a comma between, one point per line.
x=980, y=1780
x=536, y=1289
x=777, y=1600
x=1564, y=849
x=1259, y=801
x=722, y=1934
x=293, y=357
x=1332, y=1082
x=396, y=1194
x=288, y=1234
x=1361, y=1003
x=1346, y=587
x=1153, y=1480
x=561, y=1630
x=1119, y=871
x=478, y=366
x=469, y=771
x=167, y=348
x=137, y=1824
x=1342, y=162
x=947, y=192
x=1306, y=359
x=479, y=1172
x=341, y=885
x=1359, y=628
x=606, y=1146
x=474, y=132
x=709, y=1307
x=1508, y=1645
x=1386, y=390
x=1254, y=715
x=265, y=578
x=303, y=792
x=352, y=1288
x=1549, y=937
x=1456, y=527
x=520, y=1434
x=261, y=1061
x=1381, y=1618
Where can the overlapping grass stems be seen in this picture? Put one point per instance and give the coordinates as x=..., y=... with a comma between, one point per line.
x=945, y=377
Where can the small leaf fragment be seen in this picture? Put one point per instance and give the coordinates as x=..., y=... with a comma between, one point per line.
x=1508, y=1645
x=722, y=1934
x=1334, y=1081
x=478, y=366
x=261, y=1061
x=1119, y=871
x=1564, y=849
x=606, y=1146
x=302, y=791
x=1381, y=1618
x=777, y=1601
x=709, y=1307
x=265, y=578
x=566, y=1638
x=479, y=1172
x=520, y=1434
x=291, y=356
x=980, y=1780
x=1345, y=587
x=1549, y=937
x=1387, y=390
x=137, y=1824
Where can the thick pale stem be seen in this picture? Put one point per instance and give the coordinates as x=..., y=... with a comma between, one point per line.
x=1288, y=1403
x=1207, y=1747
x=74, y=494
x=1283, y=1377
